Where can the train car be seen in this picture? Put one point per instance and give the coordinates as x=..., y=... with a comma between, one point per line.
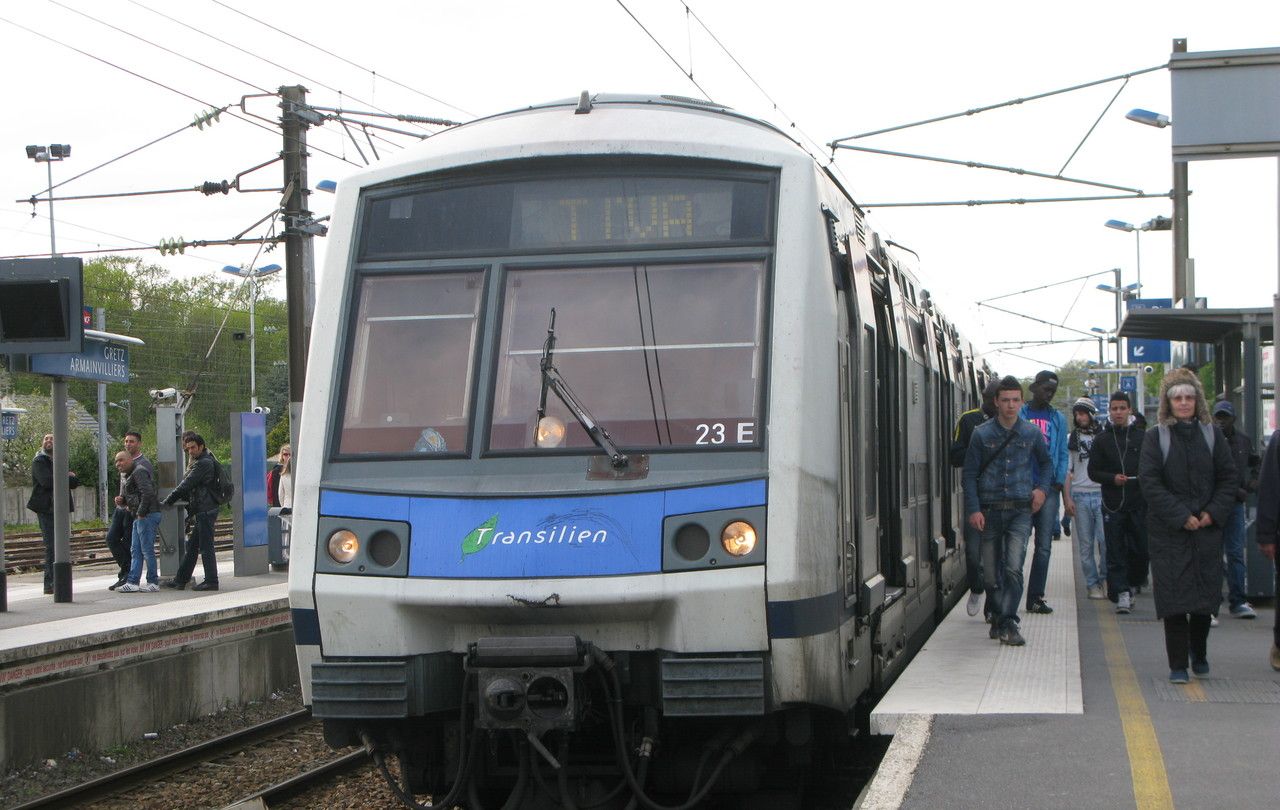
x=623, y=460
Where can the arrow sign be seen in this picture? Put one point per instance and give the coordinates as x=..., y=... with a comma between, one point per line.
x=1139, y=351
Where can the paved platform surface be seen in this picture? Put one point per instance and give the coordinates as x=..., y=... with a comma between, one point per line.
x=40, y=637
x=1083, y=716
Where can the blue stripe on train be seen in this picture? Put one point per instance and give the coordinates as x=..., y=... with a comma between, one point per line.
x=585, y=535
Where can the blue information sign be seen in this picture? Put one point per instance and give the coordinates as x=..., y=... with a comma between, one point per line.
x=100, y=362
x=1128, y=382
x=8, y=426
x=1102, y=401
x=1149, y=351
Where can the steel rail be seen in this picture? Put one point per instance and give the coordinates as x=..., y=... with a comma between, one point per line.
x=303, y=782
x=146, y=772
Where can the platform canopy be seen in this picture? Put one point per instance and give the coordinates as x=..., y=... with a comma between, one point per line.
x=1194, y=325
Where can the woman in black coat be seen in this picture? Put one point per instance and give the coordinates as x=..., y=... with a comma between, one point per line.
x=1188, y=478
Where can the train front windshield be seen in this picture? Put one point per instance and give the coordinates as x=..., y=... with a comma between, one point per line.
x=665, y=350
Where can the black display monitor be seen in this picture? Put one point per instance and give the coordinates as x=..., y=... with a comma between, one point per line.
x=40, y=305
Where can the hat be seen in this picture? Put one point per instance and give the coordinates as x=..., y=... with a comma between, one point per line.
x=1084, y=404
x=1224, y=407
x=1045, y=375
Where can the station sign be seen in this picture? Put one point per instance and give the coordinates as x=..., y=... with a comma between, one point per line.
x=1129, y=383
x=98, y=362
x=8, y=426
x=1149, y=351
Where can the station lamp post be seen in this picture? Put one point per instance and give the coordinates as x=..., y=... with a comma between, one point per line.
x=252, y=275
x=1122, y=294
x=1105, y=336
x=1183, y=277
x=48, y=155
x=1155, y=224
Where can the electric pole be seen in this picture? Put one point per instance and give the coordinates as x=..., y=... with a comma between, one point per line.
x=299, y=265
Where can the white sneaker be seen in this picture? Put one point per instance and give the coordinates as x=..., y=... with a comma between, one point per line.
x=1244, y=610
x=974, y=604
x=1096, y=592
x=151, y=587
x=1213, y=621
x=1125, y=603
x=129, y=587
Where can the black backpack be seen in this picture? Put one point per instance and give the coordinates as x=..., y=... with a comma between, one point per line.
x=223, y=489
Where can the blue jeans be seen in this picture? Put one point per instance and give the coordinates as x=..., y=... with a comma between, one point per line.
x=1045, y=521
x=199, y=543
x=1004, y=550
x=144, y=547
x=1233, y=546
x=1089, y=535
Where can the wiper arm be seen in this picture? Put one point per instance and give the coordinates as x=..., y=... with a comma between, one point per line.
x=554, y=382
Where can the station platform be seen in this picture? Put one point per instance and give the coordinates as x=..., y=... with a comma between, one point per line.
x=108, y=665
x=1083, y=715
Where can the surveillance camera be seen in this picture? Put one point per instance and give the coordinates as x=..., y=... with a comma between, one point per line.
x=262, y=409
x=163, y=393
x=1148, y=369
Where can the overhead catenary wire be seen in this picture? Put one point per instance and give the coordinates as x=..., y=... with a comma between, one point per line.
x=1012, y=201
x=342, y=58
x=687, y=73
x=989, y=107
x=160, y=84
x=275, y=64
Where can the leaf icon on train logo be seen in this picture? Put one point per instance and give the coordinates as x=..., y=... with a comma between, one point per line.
x=479, y=537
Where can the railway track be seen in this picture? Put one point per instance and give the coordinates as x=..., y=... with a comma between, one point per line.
x=147, y=772
x=24, y=551
x=303, y=782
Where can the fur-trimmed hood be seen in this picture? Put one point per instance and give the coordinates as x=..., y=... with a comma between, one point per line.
x=1181, y=376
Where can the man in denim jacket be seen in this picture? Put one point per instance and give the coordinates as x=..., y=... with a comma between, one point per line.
x=1004, y=456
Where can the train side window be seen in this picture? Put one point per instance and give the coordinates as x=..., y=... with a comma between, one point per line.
x=870, y=422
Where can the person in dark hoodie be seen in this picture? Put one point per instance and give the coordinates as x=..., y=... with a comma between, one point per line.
x=1246, y=461
x=1113, y=463
x=969, y=422
x=1188, y=478
x=1269, y=524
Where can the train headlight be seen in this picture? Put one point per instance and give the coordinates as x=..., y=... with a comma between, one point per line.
x=738, y=538
x=343, y=545
x=550, y=432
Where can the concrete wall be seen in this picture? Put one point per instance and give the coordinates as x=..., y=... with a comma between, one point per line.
x=118, y=704
x=15, y=505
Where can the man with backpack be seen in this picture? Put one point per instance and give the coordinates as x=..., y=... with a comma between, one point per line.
x=203, y=490
x=1113, y=464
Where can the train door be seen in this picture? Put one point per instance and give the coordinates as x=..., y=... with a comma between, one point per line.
x=863, y=585
x=888, y=433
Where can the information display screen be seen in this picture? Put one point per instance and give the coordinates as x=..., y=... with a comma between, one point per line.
x=568, y=213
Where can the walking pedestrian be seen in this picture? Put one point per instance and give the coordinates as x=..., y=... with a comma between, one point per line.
x=1004, y=456
x=1113, y=464
x=1189, y=480
x=1269, y=524
x=202, y=509
x=965, y=426
x=1246, y=461
x=41, y=501
x=1083, y=498
x=1053, y=427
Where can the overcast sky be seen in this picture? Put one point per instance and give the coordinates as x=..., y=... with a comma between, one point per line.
x=832, y=69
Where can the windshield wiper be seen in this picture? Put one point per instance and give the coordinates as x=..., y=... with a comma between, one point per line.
x=553, y=381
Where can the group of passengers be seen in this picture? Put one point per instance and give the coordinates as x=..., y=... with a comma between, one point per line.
x=1170, y=498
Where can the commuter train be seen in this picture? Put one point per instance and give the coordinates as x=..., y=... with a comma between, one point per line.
x=623, y=464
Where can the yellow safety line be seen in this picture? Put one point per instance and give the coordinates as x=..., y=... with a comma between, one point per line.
x=1146, y=763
